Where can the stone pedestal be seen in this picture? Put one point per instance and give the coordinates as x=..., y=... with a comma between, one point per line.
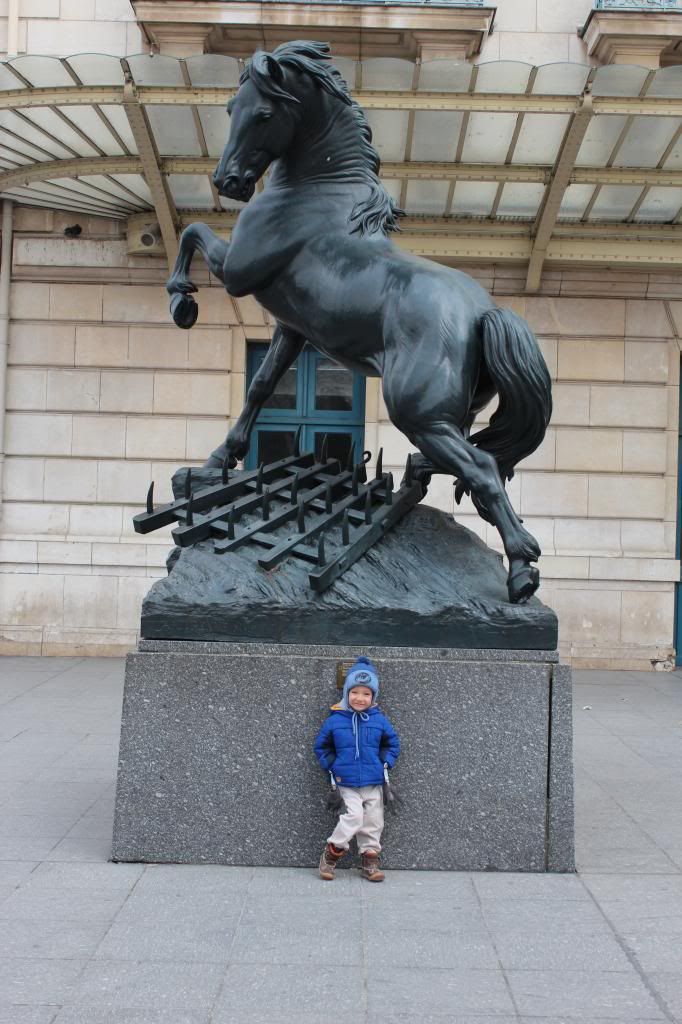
x=216, y=762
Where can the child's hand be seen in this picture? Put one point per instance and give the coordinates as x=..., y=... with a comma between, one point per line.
x=391, y=799
x=335, y=802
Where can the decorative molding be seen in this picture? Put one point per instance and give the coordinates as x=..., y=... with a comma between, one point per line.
x=357, y=28
x=618, y=33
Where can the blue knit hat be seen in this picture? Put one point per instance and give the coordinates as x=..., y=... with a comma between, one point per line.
x=362, y=673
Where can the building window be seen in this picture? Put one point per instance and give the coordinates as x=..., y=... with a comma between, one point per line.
x=316, y=394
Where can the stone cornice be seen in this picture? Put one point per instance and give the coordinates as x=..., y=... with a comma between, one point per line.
x=237, y=27
x=631, y=36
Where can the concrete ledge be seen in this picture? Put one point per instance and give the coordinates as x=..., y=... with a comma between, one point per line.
x=216, y=762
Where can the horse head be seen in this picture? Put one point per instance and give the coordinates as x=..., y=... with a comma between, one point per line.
x=263, y=119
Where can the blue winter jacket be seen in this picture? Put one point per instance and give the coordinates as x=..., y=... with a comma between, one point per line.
x=354, y=745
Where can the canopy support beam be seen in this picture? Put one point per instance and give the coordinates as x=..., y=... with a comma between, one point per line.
x=166, y=214
x=554, y=193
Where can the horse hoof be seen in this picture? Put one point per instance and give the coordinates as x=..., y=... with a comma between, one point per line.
x=522, y=583
x=184, y=311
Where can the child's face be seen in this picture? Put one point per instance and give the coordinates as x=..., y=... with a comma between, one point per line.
x=360, y=698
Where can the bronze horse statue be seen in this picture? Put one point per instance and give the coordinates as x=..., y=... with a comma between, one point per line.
x=313, y=249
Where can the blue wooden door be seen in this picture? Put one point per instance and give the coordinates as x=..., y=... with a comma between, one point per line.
x=316, y=394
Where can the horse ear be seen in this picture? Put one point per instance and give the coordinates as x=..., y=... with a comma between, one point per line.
x=273, y=69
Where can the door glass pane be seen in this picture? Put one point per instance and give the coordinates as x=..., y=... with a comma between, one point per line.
x=274, y=445
x=333, y=386
x=284, y=396
x=338, y=446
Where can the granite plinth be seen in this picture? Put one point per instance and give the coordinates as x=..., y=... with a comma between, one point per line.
x=216, y=762
x=381, y=599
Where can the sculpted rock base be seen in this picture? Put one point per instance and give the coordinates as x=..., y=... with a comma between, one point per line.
x=428, y=583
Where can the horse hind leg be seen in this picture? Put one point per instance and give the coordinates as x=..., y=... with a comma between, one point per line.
x=445, y=446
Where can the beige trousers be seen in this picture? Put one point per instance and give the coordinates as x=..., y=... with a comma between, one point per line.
x=364, y=818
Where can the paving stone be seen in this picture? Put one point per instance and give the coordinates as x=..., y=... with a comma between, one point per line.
x=561, y=935
x=412, y=990
x=62, y=939
x=668, y=985
x=29, y=849
x=412, y=1018
x=509, y=886
x=94, y=1015
x=165, y=927
x=63, y=905
x=465, y=946
x=258, y=988
x=91, y=877
x=14, y=872
x=623, y=850
x=288, y=883
x=39, y=980
x=423, y=885
x=295, y=932
x=197, y=880
x=109, y=984
x=80, y=848
x=37, y=826
x=27, y=1014
x=616, y=995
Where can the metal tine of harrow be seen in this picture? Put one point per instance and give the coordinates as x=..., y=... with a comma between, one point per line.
x=368, y=508
x=259, y=479
x=294, y=488
x=345, y=529
x=321, y=560
x=189, y=521
x=328, y=500
x=297, y=443
x=266, y=504
x=356, y=478
x=150, y=499
x=225, y=470
x=388, y=497
x=351, y=456
x=380, y=464
x=188, y=484
x=408, y=471
x=323, y=450
x=230, y=524
x=300, y=519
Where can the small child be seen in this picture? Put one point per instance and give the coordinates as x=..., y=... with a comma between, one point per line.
x=354, y=744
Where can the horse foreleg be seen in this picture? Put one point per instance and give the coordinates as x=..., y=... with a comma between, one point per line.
x=284, y=349
x=184, y=309
x=445, y=445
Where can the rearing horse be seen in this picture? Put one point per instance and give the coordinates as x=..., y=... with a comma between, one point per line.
x=313, y=249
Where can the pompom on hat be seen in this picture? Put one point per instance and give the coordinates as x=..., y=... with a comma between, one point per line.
x=362, y=673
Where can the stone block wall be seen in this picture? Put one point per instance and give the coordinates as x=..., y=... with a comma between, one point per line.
x=105, y=394
x=538, y=31
x=63, y=27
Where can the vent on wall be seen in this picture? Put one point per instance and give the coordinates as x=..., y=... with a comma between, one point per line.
x=144, y=237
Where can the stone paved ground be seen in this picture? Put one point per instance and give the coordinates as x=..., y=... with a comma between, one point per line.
x=83, y=941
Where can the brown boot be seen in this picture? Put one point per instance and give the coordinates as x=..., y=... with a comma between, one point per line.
x=331, y=855
x=370, y=867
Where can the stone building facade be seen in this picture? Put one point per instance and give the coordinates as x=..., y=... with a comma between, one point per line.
x=104, y=394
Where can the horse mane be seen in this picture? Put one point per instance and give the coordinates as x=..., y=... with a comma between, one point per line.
x=376, y=213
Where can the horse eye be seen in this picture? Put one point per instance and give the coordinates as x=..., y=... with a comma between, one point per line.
x=264, y=115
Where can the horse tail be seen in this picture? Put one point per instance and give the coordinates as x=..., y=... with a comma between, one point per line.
x=520, y=376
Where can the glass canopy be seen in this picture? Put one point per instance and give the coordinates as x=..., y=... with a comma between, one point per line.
x=491, y=142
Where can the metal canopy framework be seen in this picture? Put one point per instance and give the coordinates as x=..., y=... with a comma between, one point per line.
x=562, y=163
